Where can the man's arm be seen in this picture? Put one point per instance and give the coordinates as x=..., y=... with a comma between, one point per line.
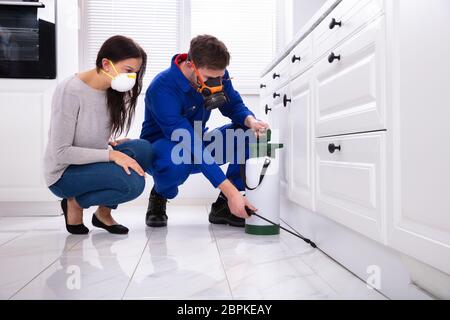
x=166, y=109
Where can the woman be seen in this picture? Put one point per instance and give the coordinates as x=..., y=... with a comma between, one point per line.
x=88, y=109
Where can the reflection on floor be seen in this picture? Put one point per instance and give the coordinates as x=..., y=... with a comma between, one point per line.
x=190, y=259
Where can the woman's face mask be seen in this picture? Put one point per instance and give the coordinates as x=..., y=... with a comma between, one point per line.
x=122, y=82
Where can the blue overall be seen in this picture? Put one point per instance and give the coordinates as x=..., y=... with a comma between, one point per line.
x=171, y=103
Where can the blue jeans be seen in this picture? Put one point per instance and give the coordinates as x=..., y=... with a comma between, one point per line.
x=105, y=183
x=168, y=176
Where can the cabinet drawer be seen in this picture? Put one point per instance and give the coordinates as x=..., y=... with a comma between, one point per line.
x=350, y=181
x=277, y=108
x=279, y=76
x=266, y=105
x=265, y=84
x=352, y=15
x=279, y=124
x=350, y=89
x=301, y=57
x=300, y=142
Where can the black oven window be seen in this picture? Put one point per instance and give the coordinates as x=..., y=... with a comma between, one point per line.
x=27, y=43
x=19, y=35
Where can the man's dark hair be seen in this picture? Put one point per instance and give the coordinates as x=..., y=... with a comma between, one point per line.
x=208, y=51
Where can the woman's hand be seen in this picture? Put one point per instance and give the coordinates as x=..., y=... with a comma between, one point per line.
x=115, y=143
x=126, y=162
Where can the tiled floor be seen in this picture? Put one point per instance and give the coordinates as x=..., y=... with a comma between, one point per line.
x=190, y=259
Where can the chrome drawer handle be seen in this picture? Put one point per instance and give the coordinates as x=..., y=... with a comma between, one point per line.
x=332, y=148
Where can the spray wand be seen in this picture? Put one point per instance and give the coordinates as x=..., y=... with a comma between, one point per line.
x=250, y=212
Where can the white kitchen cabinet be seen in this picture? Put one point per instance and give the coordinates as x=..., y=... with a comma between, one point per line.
x=24, y=124
x=301, y=57
x=350, y=181
x=419, y=157
x=300, y=141
x=368, y=129
x=348, y=17
x=278, y=120
x=25, y=117
x=351, y=87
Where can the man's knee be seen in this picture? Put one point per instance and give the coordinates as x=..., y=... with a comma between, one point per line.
x=175, y=173
x=139, y=149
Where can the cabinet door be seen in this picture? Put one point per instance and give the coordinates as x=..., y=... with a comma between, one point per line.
x=278, y=120
x=300, y=141
x=350, y=85
x=350, y=181
x=419, y=170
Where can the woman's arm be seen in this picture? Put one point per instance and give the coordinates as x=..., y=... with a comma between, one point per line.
x=64, y=117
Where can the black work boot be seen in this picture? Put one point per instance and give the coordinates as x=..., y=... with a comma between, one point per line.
x=156, y=212
x=221, y=214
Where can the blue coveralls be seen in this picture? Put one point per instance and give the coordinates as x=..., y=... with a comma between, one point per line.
x=171, y=103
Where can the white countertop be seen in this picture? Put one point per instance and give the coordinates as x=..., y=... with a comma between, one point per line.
x=321, y=14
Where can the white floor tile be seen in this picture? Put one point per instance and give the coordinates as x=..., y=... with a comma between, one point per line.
x=283, y=279
x=347, y=285
x=190, y=259
x=6, y=236
x=26, y=256
x=82, y=278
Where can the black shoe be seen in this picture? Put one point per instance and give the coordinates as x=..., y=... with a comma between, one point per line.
x=221, y=214
x=115, y=228
x=156, y=212
x=73, y=228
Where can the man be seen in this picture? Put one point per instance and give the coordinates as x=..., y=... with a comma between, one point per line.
x=181, y=98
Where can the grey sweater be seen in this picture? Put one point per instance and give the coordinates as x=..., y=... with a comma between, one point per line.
x=79, y=128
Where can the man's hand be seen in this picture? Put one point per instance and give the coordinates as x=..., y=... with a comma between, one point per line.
x=236, y=201
x=259, y=127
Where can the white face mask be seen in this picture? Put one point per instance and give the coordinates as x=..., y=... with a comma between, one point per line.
x=122, y=82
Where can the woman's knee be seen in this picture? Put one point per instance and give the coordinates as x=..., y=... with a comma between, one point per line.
x=135, y=186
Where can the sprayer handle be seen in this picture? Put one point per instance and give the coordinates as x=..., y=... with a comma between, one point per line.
x=250, y=212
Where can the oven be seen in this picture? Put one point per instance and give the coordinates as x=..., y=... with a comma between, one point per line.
x=27, y=39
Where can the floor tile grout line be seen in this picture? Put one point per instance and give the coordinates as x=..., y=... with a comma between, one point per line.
x=12, y=239
x=220, y=258
x=340, y=264
x=137, y=265
x=46, y=268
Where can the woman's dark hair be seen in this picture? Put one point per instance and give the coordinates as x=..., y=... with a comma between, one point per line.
x=122, y=105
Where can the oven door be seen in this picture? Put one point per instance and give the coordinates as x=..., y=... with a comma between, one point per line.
x=27, y=39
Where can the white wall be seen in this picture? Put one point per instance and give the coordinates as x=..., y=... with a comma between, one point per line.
x=303, y=10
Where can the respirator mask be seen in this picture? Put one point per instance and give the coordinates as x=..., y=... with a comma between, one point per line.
x=212, y=91
x=122, y=82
